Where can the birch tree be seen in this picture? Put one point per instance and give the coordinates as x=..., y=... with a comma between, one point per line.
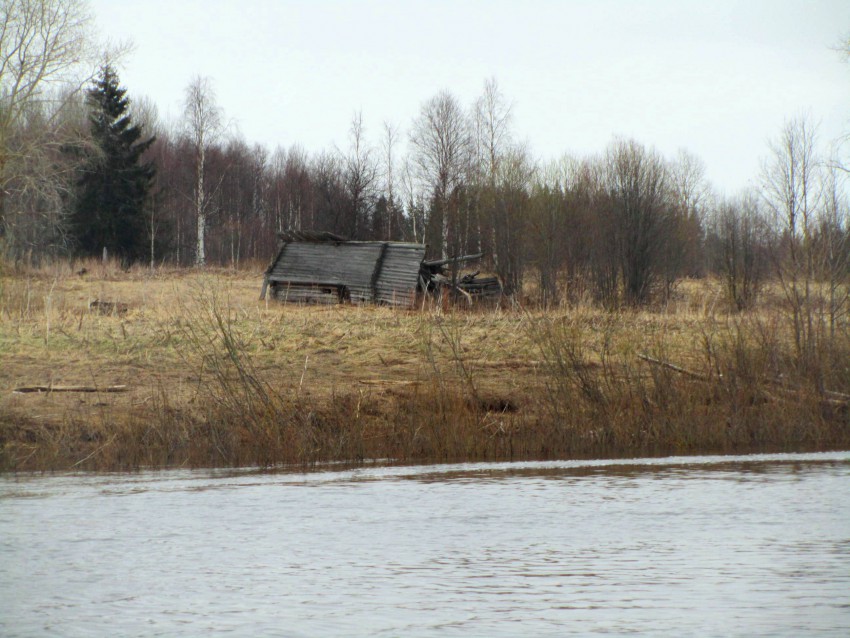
x=392, y=223
x=499, y=162
x=440, y=143
x=203, y=122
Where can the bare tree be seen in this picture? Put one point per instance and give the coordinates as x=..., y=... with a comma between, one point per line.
x=493, y=143
x=277, y=189
x=637, y=189
x=492, y=117
x=414, y=198
x=692, y=197
x=558, y=228
x=259, y=188
x=843, y=141
x=509, y=215
x=42, y=44
x=331, y=198
x=203, y=122
x=145, y=114
x=47, y=53
x=290, y=188
x=832, y=245
x=440, y=142
x=844, y=46
x=38, y=186
x=739, y=248
x=392, y=223
x=361, y=173
x=791, y=191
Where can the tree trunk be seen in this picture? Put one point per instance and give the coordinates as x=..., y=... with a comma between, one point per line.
x=200, y=252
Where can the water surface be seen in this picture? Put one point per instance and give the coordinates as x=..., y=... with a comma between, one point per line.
x=720, y=546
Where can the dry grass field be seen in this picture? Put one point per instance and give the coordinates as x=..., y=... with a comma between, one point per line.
x=213, y=376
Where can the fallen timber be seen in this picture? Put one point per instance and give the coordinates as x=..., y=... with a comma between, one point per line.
x=69, y=388
x=779, y=386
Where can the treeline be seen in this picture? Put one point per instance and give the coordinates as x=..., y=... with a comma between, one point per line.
x=89, y=170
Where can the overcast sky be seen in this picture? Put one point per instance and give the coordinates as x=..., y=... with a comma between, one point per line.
x=718, y=78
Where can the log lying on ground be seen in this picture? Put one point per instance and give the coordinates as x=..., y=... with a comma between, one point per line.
x=777, y=385
x=674, y=368
x=69, y=388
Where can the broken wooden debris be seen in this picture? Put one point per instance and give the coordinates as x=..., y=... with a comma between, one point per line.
x=434, y=278
x=436, y=265
x=69, y=388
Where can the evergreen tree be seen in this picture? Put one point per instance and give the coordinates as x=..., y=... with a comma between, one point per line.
x=113, y=190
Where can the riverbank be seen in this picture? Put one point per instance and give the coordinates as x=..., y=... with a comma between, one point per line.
x=215, y=377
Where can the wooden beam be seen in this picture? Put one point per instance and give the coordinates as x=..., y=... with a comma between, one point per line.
x=674, y=368
x=69, y=388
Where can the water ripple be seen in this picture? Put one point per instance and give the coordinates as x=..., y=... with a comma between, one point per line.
x=680, y=546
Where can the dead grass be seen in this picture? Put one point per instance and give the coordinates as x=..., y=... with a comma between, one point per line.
x=218, y=377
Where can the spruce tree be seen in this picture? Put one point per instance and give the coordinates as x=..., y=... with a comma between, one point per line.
x=113, y=189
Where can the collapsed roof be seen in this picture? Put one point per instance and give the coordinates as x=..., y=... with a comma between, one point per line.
x=320, y=267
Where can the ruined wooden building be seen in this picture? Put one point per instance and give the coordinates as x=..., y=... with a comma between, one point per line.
x=320, y=267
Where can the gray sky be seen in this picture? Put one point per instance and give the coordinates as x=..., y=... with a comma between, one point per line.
x=716, y=77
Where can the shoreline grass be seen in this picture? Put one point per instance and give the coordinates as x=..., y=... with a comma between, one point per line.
x=218, y=378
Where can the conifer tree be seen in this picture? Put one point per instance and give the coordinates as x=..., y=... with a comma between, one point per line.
x=113, y=190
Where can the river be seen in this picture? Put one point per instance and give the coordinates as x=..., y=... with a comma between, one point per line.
x=685, y=546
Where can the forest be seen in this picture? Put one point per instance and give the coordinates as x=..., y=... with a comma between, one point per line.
x=87, y=169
